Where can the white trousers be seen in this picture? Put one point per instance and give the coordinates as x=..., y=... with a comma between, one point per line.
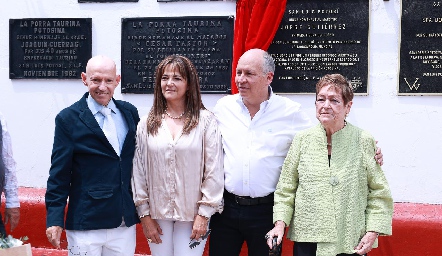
x=102, y=242
x=176, y=238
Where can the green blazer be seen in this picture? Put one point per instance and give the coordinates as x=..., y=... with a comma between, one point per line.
x=333, y=205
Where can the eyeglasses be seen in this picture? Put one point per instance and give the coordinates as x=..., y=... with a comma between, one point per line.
x=333, y=102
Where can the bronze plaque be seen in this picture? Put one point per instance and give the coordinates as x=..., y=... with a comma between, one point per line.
x=206, y=41
x=420, y=70
x=321, y=37
x=49, y=48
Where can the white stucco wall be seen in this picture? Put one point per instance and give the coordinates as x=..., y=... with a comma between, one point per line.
x=409, y=128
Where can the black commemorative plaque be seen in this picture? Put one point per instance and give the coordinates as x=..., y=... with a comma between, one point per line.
x=105, y=1
x=206, y=41
x=420, y=71
x=321, y=37
x=52, y=48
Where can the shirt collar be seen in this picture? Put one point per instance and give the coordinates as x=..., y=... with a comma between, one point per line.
x=263, y=104
x=95, y=106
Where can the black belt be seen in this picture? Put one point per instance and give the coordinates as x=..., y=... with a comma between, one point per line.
x=247, y=200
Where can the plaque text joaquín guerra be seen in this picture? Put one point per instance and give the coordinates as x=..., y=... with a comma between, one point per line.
x=49, y=48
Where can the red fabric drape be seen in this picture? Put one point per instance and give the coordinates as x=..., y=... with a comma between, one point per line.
x=255, y=26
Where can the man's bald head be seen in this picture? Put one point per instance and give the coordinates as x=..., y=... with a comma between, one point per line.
x=101, y=78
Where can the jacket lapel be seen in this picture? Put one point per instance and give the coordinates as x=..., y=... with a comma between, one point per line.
x=89, y=120
x=129, y=120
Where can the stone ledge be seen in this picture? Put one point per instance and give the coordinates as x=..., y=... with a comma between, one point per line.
x=417, y=229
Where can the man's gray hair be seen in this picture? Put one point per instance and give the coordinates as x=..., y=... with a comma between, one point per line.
x=269, y=63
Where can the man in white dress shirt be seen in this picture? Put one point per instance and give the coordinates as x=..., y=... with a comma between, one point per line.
x=257, y=128
x=8, y=180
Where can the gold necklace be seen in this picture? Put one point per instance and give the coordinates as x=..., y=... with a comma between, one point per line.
x=174, y=117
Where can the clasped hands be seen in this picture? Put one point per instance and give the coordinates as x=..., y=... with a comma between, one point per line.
x=152, y=229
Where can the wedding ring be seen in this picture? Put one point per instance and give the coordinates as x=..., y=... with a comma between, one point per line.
x=267, y=237
x=149, y=240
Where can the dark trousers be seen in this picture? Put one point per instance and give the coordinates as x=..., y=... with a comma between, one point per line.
x=2, y=227
x=309, y=249
x=239, y=223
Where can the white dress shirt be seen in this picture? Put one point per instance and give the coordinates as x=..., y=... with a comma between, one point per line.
x=255, y=149
x=11, y=186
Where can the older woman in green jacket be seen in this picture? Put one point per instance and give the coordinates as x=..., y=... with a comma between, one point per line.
x=331, y=191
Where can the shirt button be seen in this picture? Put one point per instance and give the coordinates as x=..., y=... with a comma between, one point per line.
x=334, y=181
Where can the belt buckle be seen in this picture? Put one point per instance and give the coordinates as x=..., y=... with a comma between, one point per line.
x=238, y=199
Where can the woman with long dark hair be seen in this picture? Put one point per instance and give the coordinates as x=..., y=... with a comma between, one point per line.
x=178, y=180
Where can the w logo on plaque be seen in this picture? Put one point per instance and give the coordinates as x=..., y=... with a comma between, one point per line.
x=414, y=85
x=420, y=70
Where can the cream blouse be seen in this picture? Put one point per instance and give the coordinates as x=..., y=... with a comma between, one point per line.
x=178, y=179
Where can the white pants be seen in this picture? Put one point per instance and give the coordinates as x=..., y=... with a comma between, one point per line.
x=176, y=238
x=106, y=242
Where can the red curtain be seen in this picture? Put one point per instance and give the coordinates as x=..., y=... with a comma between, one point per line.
x=255, y=26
